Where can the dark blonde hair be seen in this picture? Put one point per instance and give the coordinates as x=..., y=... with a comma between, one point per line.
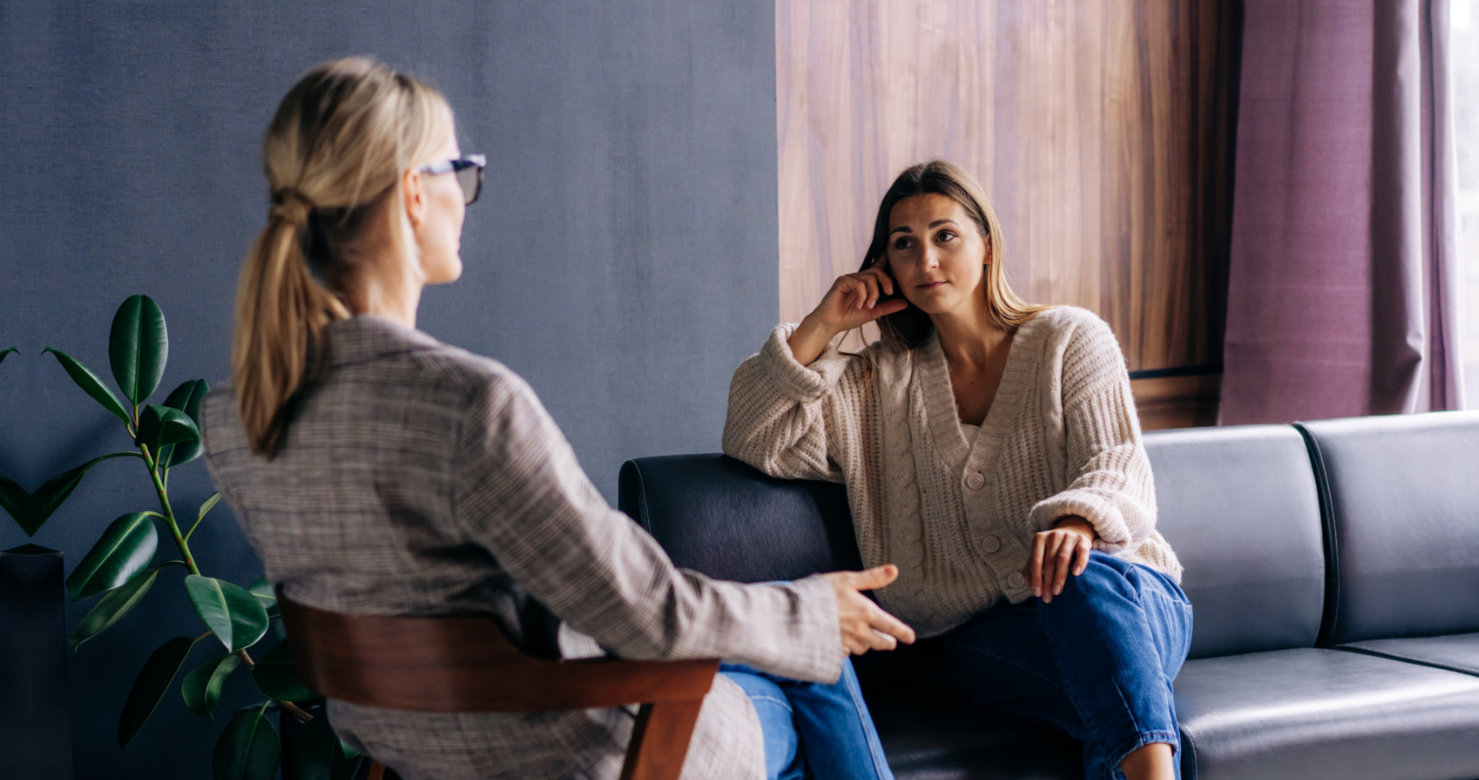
x=910, y=327
x=334, y=156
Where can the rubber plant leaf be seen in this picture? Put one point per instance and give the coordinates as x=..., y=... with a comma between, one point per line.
x=153, y=680
x=201, y=687
x=278, y=679
x=126, y=548
x=90, y=383
x=32, y=510
x=186, y=398
x=113, y=606
x=160, y=426
x=138, y=347
x=16, y=502
x=230, y=611
x=248, y=749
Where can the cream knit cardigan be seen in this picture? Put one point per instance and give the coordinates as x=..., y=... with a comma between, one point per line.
x=1061, y=438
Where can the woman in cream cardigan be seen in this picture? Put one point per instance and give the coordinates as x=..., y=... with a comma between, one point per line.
x=991, y=449
x=376, y=470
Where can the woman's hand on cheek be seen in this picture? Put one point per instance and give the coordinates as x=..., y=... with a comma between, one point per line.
x=859, y=298
x=853, y=300
x=1057, y=552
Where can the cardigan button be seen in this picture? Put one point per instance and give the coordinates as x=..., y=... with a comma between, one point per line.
x=991, y=544
x=1016, y=580
x=975, y=480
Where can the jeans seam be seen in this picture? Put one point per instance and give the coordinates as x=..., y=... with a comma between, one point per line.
x=875, y=748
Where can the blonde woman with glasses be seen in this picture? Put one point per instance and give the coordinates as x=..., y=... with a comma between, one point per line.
x=376, y=470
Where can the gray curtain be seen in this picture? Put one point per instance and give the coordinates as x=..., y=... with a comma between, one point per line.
x=1344, y=285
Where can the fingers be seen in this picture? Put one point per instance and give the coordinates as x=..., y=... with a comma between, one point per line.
x=1055, y=554
x=1082, y=557
x=863, y=624
x=1063, y=559
x=886, y=625
x=1035, y=563
x=866, y=626
x=872, y=579
x=884, y=280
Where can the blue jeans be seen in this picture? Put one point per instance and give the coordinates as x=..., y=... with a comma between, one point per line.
x=821, y=727
x=1097, y=662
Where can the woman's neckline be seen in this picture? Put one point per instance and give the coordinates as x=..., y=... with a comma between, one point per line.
x=939, y=397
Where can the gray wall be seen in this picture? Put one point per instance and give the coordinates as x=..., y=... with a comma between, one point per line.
x=623, y=258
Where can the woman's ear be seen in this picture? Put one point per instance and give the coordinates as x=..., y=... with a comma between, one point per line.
x=413, y=197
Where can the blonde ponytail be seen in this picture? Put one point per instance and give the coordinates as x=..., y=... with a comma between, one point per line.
x=281, y=312
x=334, y=156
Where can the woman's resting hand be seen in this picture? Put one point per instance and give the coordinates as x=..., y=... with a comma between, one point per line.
x=865, y=626
x=1055, y=553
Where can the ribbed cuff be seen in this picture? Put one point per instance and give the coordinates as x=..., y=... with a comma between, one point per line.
x=1109, y=525
x=803, y=383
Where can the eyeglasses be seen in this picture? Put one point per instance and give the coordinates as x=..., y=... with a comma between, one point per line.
x=469, y=172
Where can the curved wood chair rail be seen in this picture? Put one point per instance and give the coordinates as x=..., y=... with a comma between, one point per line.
x=466, y=664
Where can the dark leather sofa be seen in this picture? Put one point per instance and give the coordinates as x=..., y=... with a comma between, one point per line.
x=1333, y=567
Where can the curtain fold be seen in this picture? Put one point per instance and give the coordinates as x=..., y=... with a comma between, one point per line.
x=1343, y=289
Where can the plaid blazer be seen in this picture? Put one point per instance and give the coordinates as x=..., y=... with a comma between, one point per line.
x=417, y=478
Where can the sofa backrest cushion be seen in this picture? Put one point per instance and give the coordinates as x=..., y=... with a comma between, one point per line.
x=1239, y=506
x=716, y=515
x=1403, y=498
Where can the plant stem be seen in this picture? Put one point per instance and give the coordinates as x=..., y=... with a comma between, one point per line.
x=298, y=712
x=184, y=546
x=169, y=512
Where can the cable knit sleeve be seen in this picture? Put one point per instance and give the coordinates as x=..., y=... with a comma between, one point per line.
x=779, y=409
x=1109, y=477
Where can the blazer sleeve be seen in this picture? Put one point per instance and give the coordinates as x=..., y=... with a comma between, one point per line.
x=1109, y=476
x=781, y=412
x=519, y=492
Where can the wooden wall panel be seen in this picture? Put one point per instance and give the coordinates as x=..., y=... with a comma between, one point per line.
x=1097, y=127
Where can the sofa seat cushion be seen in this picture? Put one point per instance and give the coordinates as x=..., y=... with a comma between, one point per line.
x=1325, y=713
x=1458, y=652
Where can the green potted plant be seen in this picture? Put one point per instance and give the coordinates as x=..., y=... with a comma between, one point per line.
x=123, y=568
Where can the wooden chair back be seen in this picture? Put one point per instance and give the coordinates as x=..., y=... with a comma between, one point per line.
x=466, y=664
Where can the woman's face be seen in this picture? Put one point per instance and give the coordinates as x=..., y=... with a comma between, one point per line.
x=439, y=236
x=935, y=254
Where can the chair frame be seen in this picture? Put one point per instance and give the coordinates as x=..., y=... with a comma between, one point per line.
x=466, y=664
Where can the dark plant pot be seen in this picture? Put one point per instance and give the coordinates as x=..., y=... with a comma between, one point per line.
x=35, y=724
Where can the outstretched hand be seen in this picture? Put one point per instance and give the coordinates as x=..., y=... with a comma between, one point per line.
x=1055, y=553
x=866, y=626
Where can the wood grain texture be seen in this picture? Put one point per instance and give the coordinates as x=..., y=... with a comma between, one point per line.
x=1099, y=128
x=1177, y=402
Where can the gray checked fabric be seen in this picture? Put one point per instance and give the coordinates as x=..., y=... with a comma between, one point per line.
x=416, y=478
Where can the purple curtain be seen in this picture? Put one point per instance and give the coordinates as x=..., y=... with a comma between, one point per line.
x=1343, y=290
